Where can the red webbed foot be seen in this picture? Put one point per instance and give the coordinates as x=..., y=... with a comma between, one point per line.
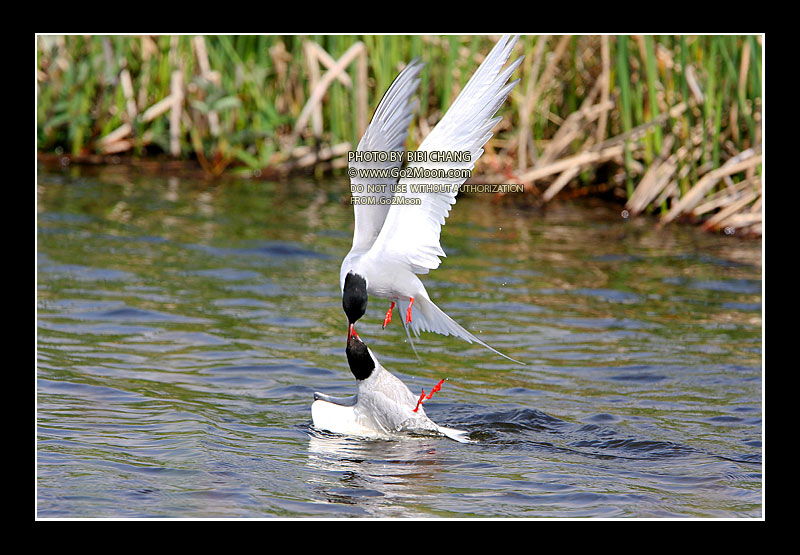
x=388, y=317
x=408, y=312
x=423, y=397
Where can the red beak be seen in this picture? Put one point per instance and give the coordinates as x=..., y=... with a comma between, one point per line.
x=351, y=331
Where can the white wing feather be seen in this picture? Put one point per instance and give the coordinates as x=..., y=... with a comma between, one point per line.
x=411, y=232
x=386, y=132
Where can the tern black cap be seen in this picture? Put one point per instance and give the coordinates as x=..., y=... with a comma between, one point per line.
x=354, y=297
x=359, y=359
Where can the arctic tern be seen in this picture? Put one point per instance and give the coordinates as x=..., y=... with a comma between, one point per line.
x=382, y=407
x=398, y=220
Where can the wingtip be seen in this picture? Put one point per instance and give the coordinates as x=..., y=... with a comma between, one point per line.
x=506, y=356
x=516, y=63
x=511, y=40
x=416, y=64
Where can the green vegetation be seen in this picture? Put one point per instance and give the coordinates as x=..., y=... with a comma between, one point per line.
x=671, y=122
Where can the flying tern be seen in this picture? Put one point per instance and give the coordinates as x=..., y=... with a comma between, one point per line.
x=398, y=219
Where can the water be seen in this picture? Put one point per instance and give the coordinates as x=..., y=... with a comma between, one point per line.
x=184, y=326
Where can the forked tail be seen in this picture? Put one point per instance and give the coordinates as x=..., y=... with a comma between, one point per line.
x=458, y=435
x=410, y=341
x=429, y=317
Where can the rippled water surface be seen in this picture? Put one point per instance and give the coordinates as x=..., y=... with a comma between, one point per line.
x=184, y=326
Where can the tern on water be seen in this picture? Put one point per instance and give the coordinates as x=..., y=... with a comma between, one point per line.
x=383, y=405
x=398, y=219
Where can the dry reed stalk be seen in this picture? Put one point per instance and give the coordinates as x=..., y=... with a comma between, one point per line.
x=313, y=75
x=157, y=109
x=670, y=190
x=148, y=46
x=560, y=182
x=654, y=182
x=718, y=219
x=108, y=54
x=570, y=130
x=549, y=70
x=745, y=221
x=605, y=77
x=422, y=130
x=744, y=68
x=361, y=91
x=757, y=204
x=327, y=60
x=581, y=159
x=602, y=152
x=655, y=178
x=117, y=147
x=746, y=159
x=307, y=156
x=208, y=74
x=733, y=118
x=318, y=93
x=691, y=80
x=573, y=126
x=725, y=196
x=304, y=150
x=324, y=154
x=546, y=79
x=640, y=130
x=749, y=221
x=176, y=92
x=127, y=89
x=141, y=99
x=280, y=58
x=527, y=106
x=113, y=141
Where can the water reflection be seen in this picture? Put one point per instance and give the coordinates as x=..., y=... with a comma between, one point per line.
x=376, y=475
x=184, y=326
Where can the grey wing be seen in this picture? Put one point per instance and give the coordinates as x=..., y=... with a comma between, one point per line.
x=387, y=132
x=342, y=401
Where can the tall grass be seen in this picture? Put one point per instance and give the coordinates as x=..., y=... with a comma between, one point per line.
x=689, y=102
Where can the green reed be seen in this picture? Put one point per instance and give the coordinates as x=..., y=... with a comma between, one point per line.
x=263, y=84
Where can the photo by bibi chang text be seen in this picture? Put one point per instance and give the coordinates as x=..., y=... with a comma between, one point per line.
x=414, y=156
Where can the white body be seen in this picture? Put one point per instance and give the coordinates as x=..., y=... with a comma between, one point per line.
x=392, y=242
x=383, y=407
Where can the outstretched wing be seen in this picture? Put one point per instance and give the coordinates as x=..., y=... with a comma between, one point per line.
x=411, y=232
x=386, y=133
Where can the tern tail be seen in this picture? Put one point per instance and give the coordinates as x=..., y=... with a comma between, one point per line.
x=458, y=435
x=429, y=317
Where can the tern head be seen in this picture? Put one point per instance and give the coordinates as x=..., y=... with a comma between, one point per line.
x=354, y=300
x=359, y=358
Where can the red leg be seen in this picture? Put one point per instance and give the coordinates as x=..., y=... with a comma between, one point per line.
x=422, y=397
x=388, y=317
x=408, y=312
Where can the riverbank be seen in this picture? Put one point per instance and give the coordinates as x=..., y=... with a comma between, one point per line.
x=670, y=124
